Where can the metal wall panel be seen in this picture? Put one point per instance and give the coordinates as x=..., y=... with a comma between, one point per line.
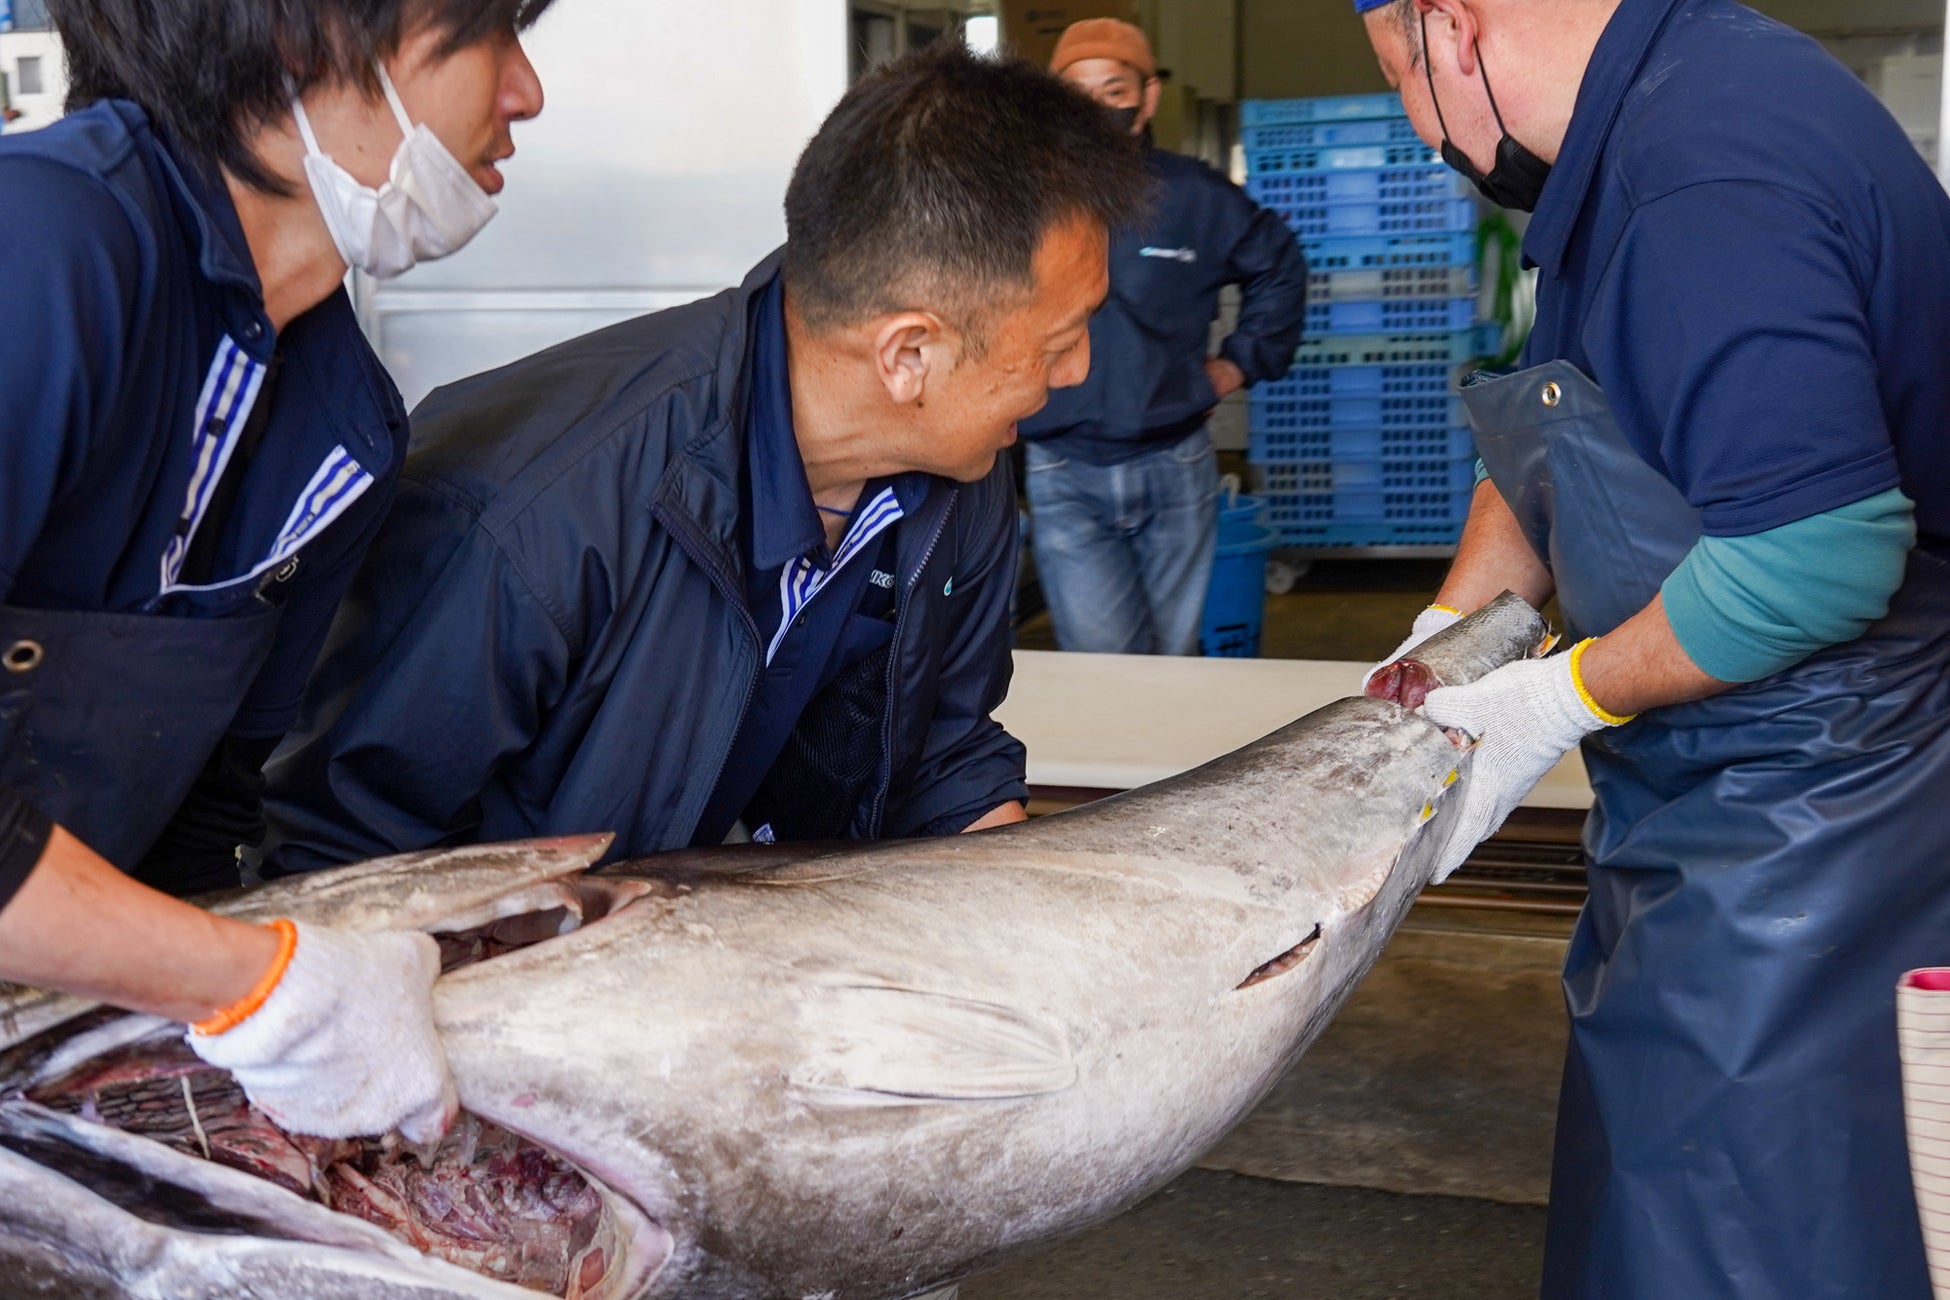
x=654, y=176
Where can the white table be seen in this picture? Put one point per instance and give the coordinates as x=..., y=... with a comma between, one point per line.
x=1115, y=722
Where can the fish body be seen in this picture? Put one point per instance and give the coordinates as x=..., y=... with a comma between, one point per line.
x=805, y=1072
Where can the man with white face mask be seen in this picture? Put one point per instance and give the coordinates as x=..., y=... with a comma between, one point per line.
x=196, y=447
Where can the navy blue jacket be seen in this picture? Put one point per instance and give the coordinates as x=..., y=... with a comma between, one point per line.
x=1149, y=343
x=552, y=636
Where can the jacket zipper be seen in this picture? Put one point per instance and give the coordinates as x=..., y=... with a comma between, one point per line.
x=680, y=529
x=893, y=668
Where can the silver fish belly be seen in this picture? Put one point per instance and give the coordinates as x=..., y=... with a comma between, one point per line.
x=840, y=1073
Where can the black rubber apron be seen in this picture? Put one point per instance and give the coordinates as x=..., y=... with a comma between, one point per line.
x=105, y=719
x=1763, y=866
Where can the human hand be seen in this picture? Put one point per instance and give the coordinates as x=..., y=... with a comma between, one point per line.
x=1225, y=377
x=342, y=1044
x=1526, y=716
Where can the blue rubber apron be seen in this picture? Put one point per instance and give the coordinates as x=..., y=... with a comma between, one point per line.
x=1763, y=867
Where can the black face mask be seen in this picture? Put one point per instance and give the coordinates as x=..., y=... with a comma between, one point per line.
x=1125, y=118
x=1517, y=180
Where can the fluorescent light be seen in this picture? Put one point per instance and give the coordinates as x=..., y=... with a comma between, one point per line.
x=983, y=34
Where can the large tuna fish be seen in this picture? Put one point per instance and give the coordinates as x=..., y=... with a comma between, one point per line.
x=781, y=1074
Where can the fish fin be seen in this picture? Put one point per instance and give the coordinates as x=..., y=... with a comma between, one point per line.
x=888, y=1043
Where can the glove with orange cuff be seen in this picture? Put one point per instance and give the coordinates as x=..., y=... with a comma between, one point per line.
x=1526, y=716
x=1434, y=619
x=337, y=1040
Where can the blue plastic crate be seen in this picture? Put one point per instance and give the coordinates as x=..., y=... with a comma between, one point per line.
x=1370, y=534
x=1285, y=510
x=1416, y=216
x=1450, y=348
x=1375, y=316
x=1342, y=443
x=1333, y=108
x=1272, y=414
x=1363, y=381
x=1408, y=183
x=1310, y=135
x=1458, y=475
x=1352, y=157
x=1392, y=283
x=1387, y=252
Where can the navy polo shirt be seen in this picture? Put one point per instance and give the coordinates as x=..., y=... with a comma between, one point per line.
x=1741, y=246
x=138, y=353
x=818, y=611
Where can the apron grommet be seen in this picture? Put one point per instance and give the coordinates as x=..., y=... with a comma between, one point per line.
x=24, y=657
x=1552, y=394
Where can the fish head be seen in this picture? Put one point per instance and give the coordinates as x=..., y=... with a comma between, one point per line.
x=489, y=1210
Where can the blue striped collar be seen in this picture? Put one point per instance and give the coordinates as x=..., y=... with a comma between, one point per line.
x=802, y=578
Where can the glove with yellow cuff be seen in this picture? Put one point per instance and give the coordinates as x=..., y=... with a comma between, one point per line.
x=337, y=1040
x=1526, y=716
x=1434, y=619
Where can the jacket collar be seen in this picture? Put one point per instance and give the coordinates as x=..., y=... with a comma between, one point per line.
x=223, y=254
x=700, y=494
x=1620, y=56
x=204, y=209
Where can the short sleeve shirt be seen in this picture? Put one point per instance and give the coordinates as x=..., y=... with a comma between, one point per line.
x=1742, y=247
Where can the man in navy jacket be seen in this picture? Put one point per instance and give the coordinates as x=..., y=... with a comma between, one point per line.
x=1122, y=480
x=748, y=560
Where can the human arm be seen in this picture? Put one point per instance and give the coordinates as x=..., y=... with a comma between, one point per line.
x=1266, y=263
x=79, y=925
x=970, y=773
x=1007, y=813
x=1493, y=557
x=1746, y=607
x=330, y=1033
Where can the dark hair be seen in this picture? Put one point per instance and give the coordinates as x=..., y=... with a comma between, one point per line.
x=209, y=72
x=936, y=179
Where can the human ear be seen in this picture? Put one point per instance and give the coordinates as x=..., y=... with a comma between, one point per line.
x=905, y=347
x=1457, y=19
x=1153, y=90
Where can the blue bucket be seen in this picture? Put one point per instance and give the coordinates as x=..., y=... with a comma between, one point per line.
x=1235, y=602
x=1240, y=516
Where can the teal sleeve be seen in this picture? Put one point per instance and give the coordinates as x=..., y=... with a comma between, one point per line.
x=1482, y=471
x=1744, y=608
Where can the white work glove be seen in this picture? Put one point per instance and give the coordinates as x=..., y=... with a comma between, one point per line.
x=1434, y=619
x=344, y=1044
x=1527, y=715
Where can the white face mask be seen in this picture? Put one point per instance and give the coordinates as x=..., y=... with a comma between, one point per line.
x=428, y=208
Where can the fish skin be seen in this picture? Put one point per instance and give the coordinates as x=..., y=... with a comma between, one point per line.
x=862, y=1072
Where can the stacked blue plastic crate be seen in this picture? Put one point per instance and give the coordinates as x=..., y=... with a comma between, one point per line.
x=1364, y=443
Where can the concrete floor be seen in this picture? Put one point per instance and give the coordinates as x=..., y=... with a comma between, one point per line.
x=1216, y=1236
x=1408, y=1152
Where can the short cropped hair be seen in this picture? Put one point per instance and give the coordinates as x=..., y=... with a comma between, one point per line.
x=210, y=72
x=936, y=179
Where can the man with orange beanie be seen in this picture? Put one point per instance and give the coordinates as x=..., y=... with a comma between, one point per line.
x=1122, y=481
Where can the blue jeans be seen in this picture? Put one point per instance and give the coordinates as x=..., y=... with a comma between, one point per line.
x=1124, y=552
